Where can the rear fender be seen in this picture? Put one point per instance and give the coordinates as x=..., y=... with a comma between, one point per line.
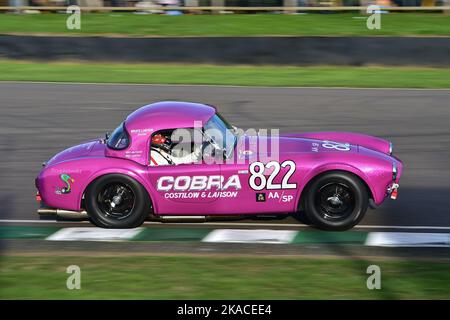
x=136, y=175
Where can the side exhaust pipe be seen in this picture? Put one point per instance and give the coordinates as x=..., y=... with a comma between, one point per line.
x=60, y=213
x=195, y=218
x=182, y=218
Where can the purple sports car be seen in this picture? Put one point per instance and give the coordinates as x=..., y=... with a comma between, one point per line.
x=179, y=160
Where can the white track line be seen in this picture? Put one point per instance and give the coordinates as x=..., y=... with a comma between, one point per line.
x=238, y=224
x=214, y=85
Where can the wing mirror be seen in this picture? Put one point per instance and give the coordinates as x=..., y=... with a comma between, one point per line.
x=107, y=135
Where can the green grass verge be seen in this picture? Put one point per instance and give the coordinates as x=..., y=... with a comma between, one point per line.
x=226, y=75
x=197, y=277
x=229, y=25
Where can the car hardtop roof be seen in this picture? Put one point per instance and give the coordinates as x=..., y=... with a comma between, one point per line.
x=169, y=115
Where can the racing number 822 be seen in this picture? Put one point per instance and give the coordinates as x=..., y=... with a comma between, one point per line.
x=258, y=180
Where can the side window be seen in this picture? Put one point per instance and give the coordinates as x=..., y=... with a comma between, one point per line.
x=173, y=147
x=119, y=139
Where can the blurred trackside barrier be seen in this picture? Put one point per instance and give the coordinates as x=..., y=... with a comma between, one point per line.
x=253, y=50
x=219, y=6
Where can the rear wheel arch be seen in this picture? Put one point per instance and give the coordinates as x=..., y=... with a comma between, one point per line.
x=117, y=200
x=102, y=175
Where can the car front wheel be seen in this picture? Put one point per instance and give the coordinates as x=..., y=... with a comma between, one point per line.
x=336, y=201
x=117, y=201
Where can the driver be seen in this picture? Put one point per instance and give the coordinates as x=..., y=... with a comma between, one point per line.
x=162, y=141
x=160, y=150
x=163, y=151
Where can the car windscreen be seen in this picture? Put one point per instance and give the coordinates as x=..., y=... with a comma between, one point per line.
x=226, y=138
x=119, y=138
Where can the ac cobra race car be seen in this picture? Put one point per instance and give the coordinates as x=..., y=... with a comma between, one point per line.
x=183, y=161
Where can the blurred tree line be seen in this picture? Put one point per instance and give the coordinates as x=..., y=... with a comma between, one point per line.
x=247, y=3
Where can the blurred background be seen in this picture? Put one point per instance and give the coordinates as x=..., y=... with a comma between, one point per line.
x=221, y=3
x=297, y=66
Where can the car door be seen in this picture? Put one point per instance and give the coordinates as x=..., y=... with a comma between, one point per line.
x=183, y=188
x=266, y=186
x=250, y=201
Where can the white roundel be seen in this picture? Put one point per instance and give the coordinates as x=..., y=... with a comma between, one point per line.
x=336, y=145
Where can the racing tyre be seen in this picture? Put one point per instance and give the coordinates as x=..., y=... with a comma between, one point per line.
x=117, y=201
x=336, y=201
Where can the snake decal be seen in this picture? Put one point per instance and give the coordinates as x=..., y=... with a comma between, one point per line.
x=67, y=180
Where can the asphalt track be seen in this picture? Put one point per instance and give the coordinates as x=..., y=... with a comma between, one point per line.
x=38, y=120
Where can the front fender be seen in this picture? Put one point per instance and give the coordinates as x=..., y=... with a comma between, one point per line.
x=316, y=171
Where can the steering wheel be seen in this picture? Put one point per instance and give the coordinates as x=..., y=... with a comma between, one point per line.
x=210, y=142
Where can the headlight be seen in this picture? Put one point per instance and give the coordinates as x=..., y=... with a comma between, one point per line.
x=391, y=148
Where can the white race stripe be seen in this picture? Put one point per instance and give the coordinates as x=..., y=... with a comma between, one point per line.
x=250, y=236
x=408, y=239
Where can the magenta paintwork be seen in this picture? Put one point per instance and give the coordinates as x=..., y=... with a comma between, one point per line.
x=368, y=157
x=157, y=116
x=369, y=142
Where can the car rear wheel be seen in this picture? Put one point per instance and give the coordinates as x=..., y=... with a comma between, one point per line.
x=336, y=201
x=117, y=201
